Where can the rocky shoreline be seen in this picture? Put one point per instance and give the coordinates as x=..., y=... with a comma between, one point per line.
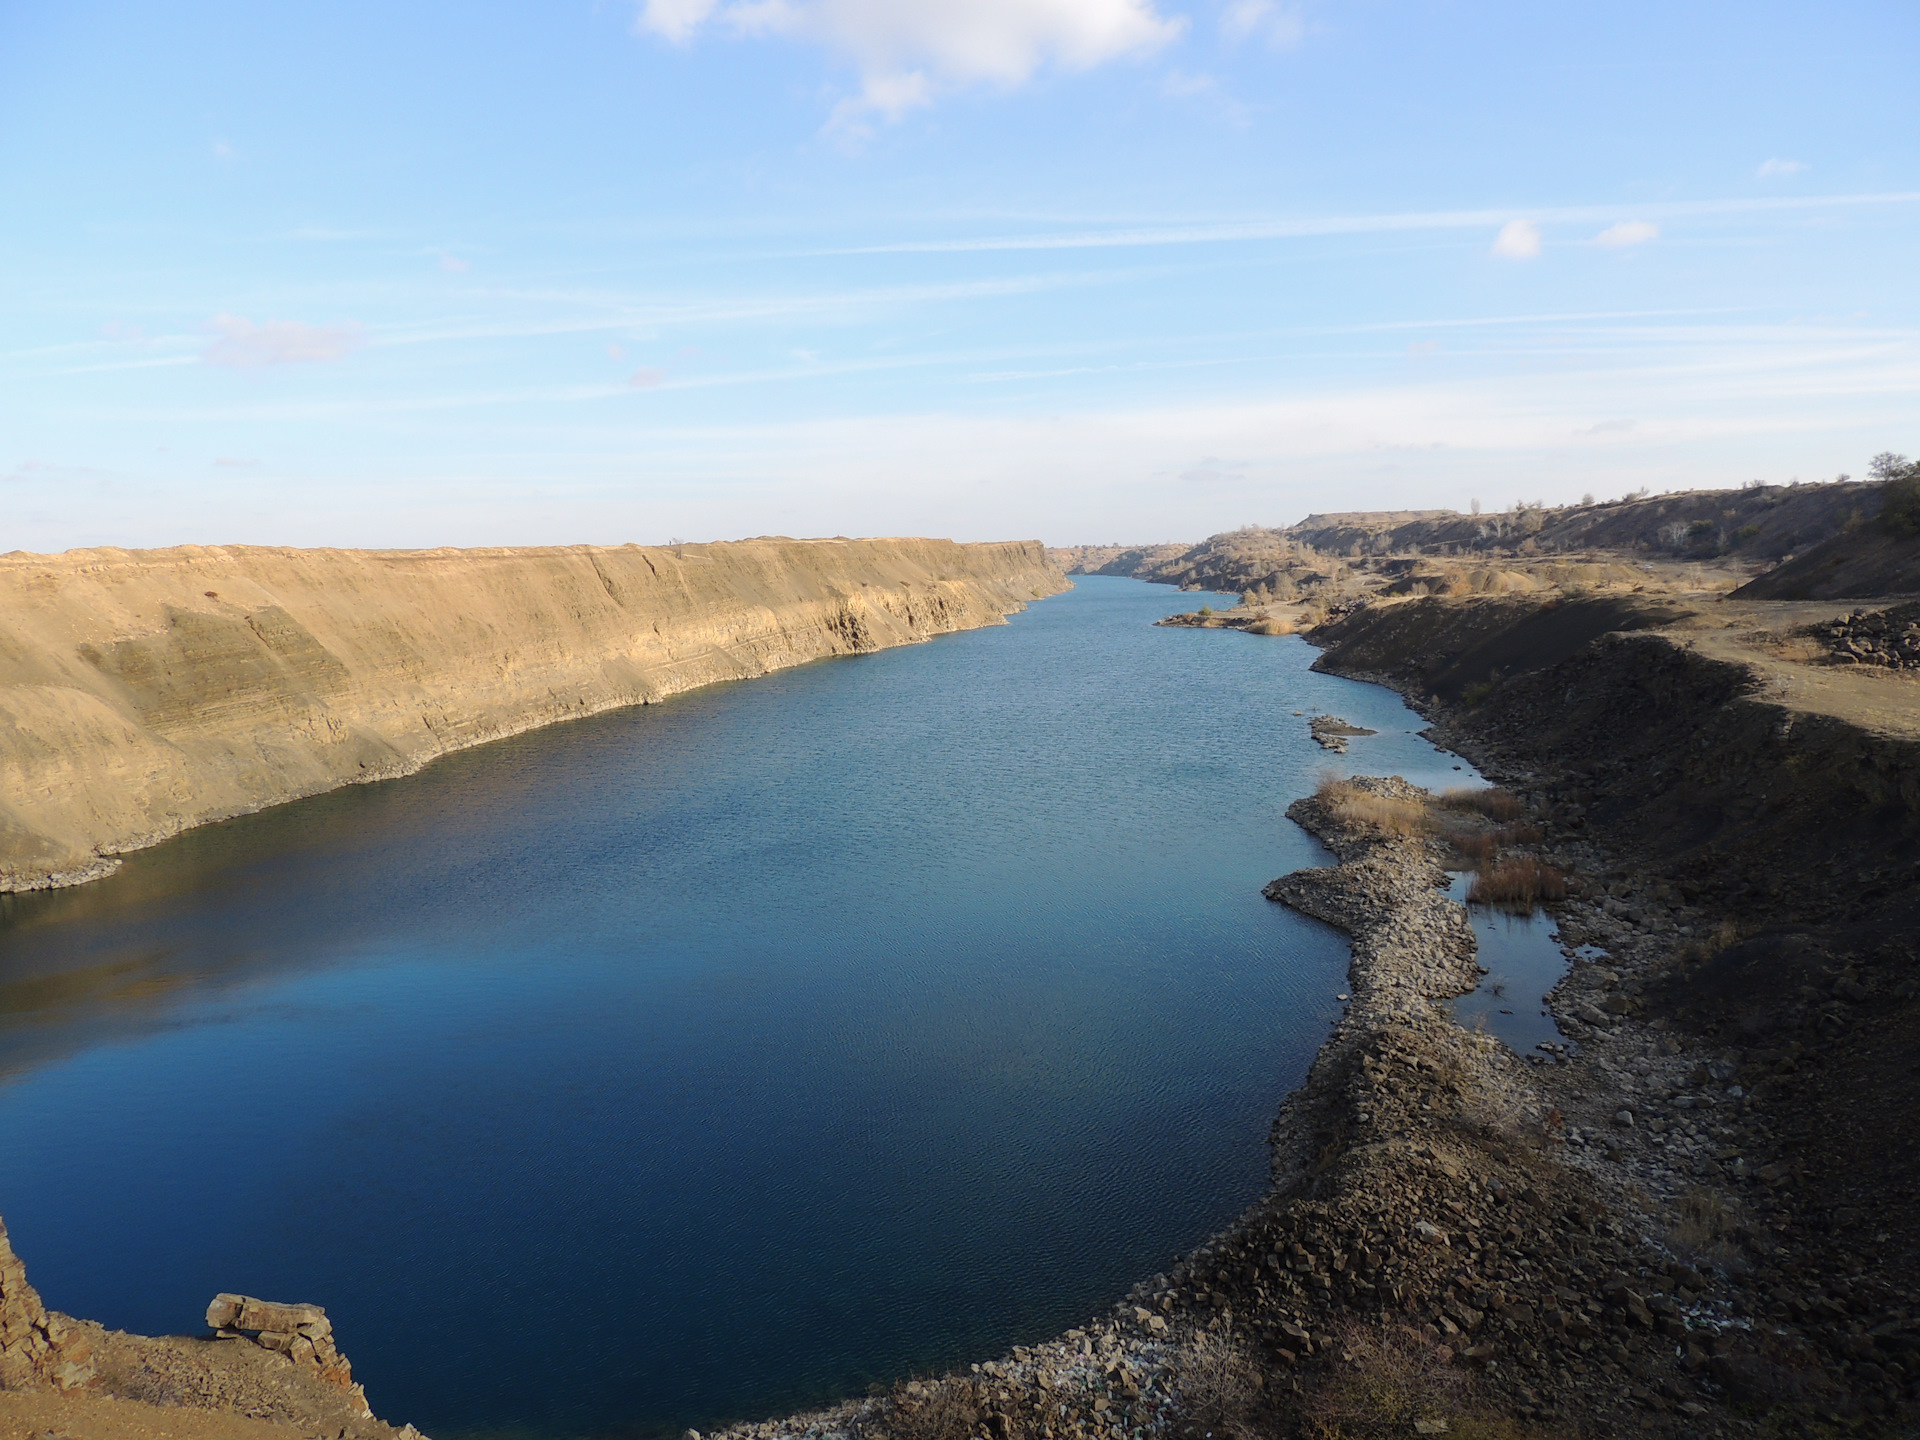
x=1631, y=1239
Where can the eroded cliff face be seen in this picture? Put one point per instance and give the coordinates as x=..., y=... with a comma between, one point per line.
x=142, y=692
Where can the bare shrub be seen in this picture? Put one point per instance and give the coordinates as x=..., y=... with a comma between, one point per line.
x=1522, y=882
x=1492, y=802
x=1499, y=1116
x=1220, y=1390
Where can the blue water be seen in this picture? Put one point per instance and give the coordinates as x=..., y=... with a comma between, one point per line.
x=1523, y=960
x=711, y=1058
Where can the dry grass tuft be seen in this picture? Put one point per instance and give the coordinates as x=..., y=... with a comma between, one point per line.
x=1390, y=1379
x=1492, y=802
x=1522, y=882
x=943, y=1410
x=1706, y=1227
x=1723, y=936
x=1380, y=813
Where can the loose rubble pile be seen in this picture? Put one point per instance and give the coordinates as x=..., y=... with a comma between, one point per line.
x=1330, y=732
x=1888, y=638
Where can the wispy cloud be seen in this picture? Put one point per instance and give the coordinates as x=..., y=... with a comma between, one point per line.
x=1212, y=470
x=1207, y=92
x=1307, y=227
x=1277, y=24
x=243, y=345
x=1517, y=240
x=1779, y=169
x=908, y=50
x=1627, y=233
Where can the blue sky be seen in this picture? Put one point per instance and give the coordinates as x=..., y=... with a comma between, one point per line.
x=1085, y=270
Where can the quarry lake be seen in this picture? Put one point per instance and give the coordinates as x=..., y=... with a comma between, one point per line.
x=708, y=1059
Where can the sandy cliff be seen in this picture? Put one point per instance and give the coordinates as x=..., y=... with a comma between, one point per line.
x=142, y=692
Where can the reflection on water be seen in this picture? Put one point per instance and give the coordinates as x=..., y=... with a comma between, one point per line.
x=710, y=1058
x=1522, y=957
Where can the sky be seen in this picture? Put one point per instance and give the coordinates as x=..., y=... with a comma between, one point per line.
x=556, y=271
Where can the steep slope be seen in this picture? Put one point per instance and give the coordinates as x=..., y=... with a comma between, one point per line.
x=1855, y=564
x=142, y=692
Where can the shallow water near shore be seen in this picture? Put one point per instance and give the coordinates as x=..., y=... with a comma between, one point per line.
x=708, y=1059
x=1523, y=961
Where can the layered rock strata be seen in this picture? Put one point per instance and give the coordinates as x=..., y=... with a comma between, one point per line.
x=143, y=692
x=302, y=1333
x=27, y=1353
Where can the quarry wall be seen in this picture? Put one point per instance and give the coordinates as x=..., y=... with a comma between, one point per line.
x=146, y=691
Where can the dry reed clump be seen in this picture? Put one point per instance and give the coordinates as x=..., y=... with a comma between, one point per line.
x=1494, y=803
x=1272, y=625
x=1480, y=846
x=1382, y=813
x=1518, y=882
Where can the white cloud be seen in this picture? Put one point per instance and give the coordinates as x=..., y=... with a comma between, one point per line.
x=906, y=50
x=1777, y=169
x=243, y=345
x=1627, y=232
x=1208, y=93
x=647, y=378
x=675, y=20
x=1517, y=240
x=1247, y=19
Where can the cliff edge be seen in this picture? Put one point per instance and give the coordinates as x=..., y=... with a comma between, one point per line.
x=146, y=691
